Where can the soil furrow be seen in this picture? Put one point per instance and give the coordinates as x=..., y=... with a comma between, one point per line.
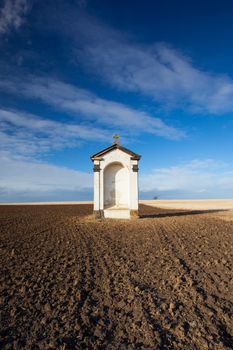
x=71, y=282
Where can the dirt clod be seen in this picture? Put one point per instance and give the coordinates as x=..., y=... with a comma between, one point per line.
x=163, y=281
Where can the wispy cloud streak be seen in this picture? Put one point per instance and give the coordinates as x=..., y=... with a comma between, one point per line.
x=200, y=177
x=155, y=70
x=25, y=175
x=24, y=134
x=88, y=106
x=29, y=179
x=12, y=14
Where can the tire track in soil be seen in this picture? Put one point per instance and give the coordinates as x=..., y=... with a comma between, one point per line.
x=207, y=276
x=110, y=285
x=197, y=289
x=86, y=286
x=165, y=335
x=22, y=265
x=44, y=243
x=92, y=313
x=108, y=262
x=158, y=334
x=26, y=292
x=199, y=267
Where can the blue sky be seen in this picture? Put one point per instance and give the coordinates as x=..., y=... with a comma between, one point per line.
x=158, y=73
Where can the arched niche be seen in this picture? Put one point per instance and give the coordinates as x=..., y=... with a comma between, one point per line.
x=116, y=186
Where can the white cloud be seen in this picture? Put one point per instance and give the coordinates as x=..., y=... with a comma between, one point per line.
x=87, y=106
x=27, y=179
x=195, y=177
x=26, y=134
x=24, y=138
x=154, y=70
x=12, y=14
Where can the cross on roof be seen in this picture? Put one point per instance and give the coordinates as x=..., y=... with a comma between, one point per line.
x=115, y=137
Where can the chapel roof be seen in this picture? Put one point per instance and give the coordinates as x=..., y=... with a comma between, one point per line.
x=113, y=147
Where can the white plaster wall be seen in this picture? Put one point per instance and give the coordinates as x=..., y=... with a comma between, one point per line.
x=116, y=186
x=134, y=187
x=116, y=156
x=96, y=188
x=101, y=185
x=126, y=181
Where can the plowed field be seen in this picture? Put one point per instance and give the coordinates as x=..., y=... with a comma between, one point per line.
x=163, y=281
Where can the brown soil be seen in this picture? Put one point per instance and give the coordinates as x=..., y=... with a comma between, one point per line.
x=163, y=281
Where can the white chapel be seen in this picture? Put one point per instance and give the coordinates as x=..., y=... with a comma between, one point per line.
x=115, y=182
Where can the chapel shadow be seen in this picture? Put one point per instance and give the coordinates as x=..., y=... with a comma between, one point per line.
x=146, y=211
